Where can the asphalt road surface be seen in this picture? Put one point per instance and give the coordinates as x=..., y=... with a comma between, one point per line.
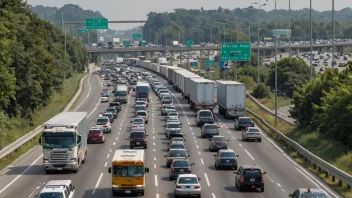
x=26, y=177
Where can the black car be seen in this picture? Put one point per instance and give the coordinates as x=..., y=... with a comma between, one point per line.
x=175, y=133
x=226, y=158
x=117, y=106
x=180, y=166
x=113, y=111
x=243, y=122
x=249, y=176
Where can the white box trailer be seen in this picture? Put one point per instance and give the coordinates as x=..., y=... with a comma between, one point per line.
x=202, y=94
x=180, y=79
x=187, y=86
x=231, y=98
x=175, y=74
x=170, y=71
x=163, y=70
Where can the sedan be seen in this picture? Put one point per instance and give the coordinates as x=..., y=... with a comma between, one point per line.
x=186, y=185
x=137, y=122
x=173, y=126
x=217, y=142
x=95, y=135
x=142, y=114
x=172, y=114
x=180, y=166
x=104, y=99
x=252, y=133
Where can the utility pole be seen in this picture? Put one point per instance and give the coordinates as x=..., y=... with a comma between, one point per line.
x=311, y=42
x=249, y=30
x=259, y=6
x=150, y=35
x=211, y=34
x=237, y=42
x=289, y=28
x=275, y=70
x=333, y=33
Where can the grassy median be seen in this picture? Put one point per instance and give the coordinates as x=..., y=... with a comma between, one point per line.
x=324, y=147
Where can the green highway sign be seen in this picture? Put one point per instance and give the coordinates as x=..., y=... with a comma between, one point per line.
x=83, y=31
x=209, y=63
x=96, y=23
x=136, y=36
x=126, y=43
x=236, y=51
x=189, y=43
x=193, y=64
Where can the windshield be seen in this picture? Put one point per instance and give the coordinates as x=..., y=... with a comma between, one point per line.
x=102, y=120
x=177, y=153
x=142, y=113
x=227, y=154
x=181, y=163
x=177, y=146
x=205, y=114
x=142, y=89
x=140, y=108
x=120, y=93
x=140, y=102
x=252, y=173
x=51, y=195
x=137, y=135
x=313, y=195
x=173, y=126
x=254, y=130
x=219, y=139
x=107, y=115
x=167, y=102
x=172, y=114
x=128, y=171
x=170, y=107
x=111, y=110
x=245, y=120
x=210, y=127
x=140, y=120
x=188, y=180
x=59, y=140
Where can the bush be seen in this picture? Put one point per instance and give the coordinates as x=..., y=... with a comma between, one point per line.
x=261, y=91
x=248, y=81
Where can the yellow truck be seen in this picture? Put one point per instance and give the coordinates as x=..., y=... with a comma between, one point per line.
x=128, y=172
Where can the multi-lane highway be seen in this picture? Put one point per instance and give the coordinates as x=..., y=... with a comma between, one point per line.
x=26, y=177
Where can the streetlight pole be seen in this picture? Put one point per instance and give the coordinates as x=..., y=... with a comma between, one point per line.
x=150, y=35
x=237, y=42
x=249, y=29
x=275, y=69
x=198, y=35
x=259, y=6
x=289, y=29
x=211, y=34
x=311, y=43
x=65, y=48
x=219, y=34
x=333, y=33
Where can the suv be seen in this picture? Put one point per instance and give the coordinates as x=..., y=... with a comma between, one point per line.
x=103, y=123
x=209, y=130
x=226, y=158
x=113, y=111
x=249, y=176
x=252, y=133
x=243, y=122
x=138, y=139
x=204, y=116
x=58, y=188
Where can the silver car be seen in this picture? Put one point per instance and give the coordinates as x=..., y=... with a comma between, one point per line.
x=137, y=122
x=187, y=185
x=217, y=142
x=252, y=133
x=167, y=109
x=173, y=126
x=142, y=114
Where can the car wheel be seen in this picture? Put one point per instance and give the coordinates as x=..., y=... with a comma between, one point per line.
x=260, y=140
x=146, y=147
x=262, y=189
x=171, y=178
x=168, y=165
x=240, y=188
x=211, y=150
x=199, y=196
x=216, y=167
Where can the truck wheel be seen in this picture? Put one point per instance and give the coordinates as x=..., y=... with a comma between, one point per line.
x=47, y=171
x=76, y=171
x=142, y=193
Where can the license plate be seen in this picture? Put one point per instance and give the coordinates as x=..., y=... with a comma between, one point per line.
x=59, y=169
x=252, y=180
x=138, y=143
x=253, y=186
x=188, y=187
x=227, y=161
x=94, y=138
x=127, y=191
x=181, y=170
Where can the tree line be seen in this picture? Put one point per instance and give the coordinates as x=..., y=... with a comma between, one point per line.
x=33, y=63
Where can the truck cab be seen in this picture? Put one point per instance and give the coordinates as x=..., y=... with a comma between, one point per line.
x=58, y=188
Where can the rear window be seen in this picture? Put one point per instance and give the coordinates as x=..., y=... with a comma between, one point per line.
x=140, y=120
x=252, y=173
x=254, y=130
x=172, y=126
x=219, y=139
x=110, y=110
x=210, y=127
x=205, y=114
x=181, y=164
x=137, y=135
x=177, y=153
x=188, y=180
x=140, y=102
x=141, y=113
x=102, y=120
x=245, y=120
x=177, y=146
x=172, y=114
x=313, y=195
x=170, y=107
x=107, y=115
x=94, y=131
x=227, y=154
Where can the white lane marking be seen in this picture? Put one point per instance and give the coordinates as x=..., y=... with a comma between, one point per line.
x=192, y=133
x=155, y=166
x=154, y=158
x=270, y=178
x=153, y=131
x=31, y=193
x=278, y=185
x=95, y=108
x=154, y=150
x=191, y=128
x=14, y=180
x=154, y=138
x=110, y=150
x=113, y=144
x=249, y=154
x=108, y=156
x=156, y=180
x=97, y=184
x=106, y=163
x=213, y=195
x=282, y=190
x=229, y=132
x=233, y=137
x=199, y=153
x=37, y=187
x=240, y=144
x=206, y=178
x=118, y=133
x=202, y=160
x=117, y=138
x=89, y=88
x=157, y=195
x=195, y=141
x=197, y=146
x=120, y=129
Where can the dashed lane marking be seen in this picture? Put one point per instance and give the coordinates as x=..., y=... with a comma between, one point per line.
x=197, y=146
x=249, y=154
x=213, y=195
x=156, y=180
x=113, y=144
x=201, y=160
x=278, y=185
x=97, y=184
x=106, y=163
x=108, y=156
x=207, y=179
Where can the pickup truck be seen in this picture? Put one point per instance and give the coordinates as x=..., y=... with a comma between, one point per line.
x=243, y=122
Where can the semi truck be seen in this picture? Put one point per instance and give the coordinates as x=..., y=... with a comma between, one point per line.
x=110, y=45
x=201, y=95
x=64, y=142
x=231, y=98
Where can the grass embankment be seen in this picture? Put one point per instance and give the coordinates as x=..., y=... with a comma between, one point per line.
x=330, y=150
x=57, y=103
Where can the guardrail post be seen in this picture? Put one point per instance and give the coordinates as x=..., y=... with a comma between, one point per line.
x=319, y=169
x=314, y=166
x=333, y=178
x=340, y=183
x=348, y=187
x=326, y=174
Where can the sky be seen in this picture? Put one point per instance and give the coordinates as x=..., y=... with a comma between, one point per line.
x=122, y=10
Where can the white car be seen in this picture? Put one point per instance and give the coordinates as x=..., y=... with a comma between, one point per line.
x=137, y=122
x=186, y=185
x=103, y=123
x=104, y=99
x=252, y=133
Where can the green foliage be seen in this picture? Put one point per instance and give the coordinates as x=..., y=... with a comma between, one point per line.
x=325, y=103
x=290, y=73
x=32, y=65
x=261, y=91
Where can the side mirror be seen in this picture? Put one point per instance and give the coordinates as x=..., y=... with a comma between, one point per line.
x=146, y=135
x=235, y=172
x=146, y=170
x=193, y=164
x=164, y=155
x=36, y=195
x=237, y=155
x=214, y=155
x=209, y=139
x=174, y=181
x=109, y=170
x=290, y=195
x=79, y=139
x=40, y=141
x=264, y=173
x=74, y=187
x=195, y=115
x=199, y=178
x=189, y=155
x=227, y=140
x=131, y=121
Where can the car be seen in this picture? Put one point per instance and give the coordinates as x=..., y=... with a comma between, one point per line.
x=109, y=115
x=204, y=116
x=113, y=111
x=169, y=102
x=309, y=192
x=137, y=122
x=104, y=124
x=176, y=145
x=139, y=129
x=95, y=135
x=180, y=166
x=162, y=92
x=106, y=93
x=173, y=126
x=187, y=185
x=138, y=139
x=58, y=188
x=142, y=114
x=140, y=108
x=166, y=108
x=209, y=130
x=117, y=106
x=243, y=122
x=175, y=154
x=171, y=114
x=176, y=139
x=143, y=99
x=226, y=158
x=175, y=133
x=173, y=119
x=217, y=142
x=249, y=176
x=252, y=133
x=104, y=99
x=140, y=103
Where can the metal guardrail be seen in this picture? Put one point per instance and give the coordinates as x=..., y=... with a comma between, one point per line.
x=266, y=109
x=339, y=174
x=24, y=139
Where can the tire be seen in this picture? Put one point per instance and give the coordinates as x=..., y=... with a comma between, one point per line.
x=199, y=196
x=260, y=140
x=47, y=171
x=168, y=165
x=216, y=167
x=240, y=188
x=76, y=171
x=142, y=193
x=146, y=122
x=262, y=189
x=146, y=147
x=211, y=150
x=131, y=147
x=171, y=178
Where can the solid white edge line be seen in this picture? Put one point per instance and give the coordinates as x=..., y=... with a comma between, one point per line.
x=89, y=88
x=207, y=179
x=157, y=195
x=98, y=182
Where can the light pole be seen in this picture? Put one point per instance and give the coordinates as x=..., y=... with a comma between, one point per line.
x=275, y=69
x=289, y=29
x=224, y=30
x=311, y=43
x=333, y=33
x=259, y=6
x=150, y=35
x=237, y=42
x=249, y=29
x=65, y=49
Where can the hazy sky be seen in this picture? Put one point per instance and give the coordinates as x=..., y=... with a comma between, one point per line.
x=138, y=9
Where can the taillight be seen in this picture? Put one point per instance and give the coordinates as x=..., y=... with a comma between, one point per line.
x=225, y=142
x=137, y=93
x=145, y=140
x=219, y=159
x=213, y=143
x=242, y=179
x=197, y=186
x=200, y=117
x=172, y=169
x=178, y=186
x=105, y=126
x=263, y=180
x=236, y=159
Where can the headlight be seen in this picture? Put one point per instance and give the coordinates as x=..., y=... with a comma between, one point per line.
x=115, y=186
x=139, y=186
x=45, y=161
x=73, y=160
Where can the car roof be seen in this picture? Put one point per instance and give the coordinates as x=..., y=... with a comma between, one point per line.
x=141, y=111
x=58, y=182
x=187, y=175
x=252, y=128
x=107, y=113
x=311, y=190
x=226, y=151
x=140, y=106
x=177, y=150
x=254, y=166
x=94, y=128
x=180, y=160
x=49, y=189
x=178, y=142
x=104, y=117
x=138, y=119
x=209, y=124
x=218, y=136
x=173, y=123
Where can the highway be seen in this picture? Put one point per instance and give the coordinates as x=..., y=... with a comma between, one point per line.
x=26, y=177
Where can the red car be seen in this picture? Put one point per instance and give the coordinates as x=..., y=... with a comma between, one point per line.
x=95, y=135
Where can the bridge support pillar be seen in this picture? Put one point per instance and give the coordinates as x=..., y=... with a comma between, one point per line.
x=171, y=58
x=297, y=51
